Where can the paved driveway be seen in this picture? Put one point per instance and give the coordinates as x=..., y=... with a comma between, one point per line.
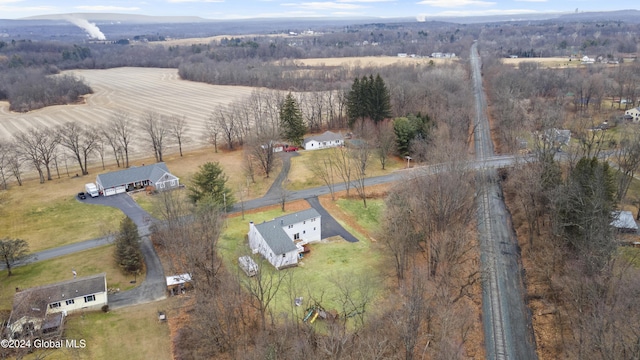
x=329, y=226
x=153, y=285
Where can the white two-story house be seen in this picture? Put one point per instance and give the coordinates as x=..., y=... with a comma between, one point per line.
x=281, y=240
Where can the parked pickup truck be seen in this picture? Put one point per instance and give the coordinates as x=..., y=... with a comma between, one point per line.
x=91, y=190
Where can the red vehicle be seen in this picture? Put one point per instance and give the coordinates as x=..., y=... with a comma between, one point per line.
x=290, y=148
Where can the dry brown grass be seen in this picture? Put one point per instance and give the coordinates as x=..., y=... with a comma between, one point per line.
x=375, y=61
x=550, y=62
x=89, y=262
x=301, y=176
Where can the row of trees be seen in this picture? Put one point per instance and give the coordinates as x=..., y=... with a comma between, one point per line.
x=43, y=149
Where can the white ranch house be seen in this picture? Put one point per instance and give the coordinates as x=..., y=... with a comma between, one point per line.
x=281, y=240
x=42, y=309
x=634, y=114
x=326, y=140
x=156, y=175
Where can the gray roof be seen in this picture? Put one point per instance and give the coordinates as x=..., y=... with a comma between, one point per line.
x=624, y=220
x=39, y=297
x=133, y=174
x=274, y=235
x=326, y=136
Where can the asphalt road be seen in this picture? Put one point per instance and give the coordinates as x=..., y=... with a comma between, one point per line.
x=506, y=319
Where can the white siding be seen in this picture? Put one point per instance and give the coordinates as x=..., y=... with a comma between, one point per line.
x=308, y=230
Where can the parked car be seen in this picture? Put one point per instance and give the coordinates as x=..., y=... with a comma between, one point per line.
x=81, y=196
x=291, y=148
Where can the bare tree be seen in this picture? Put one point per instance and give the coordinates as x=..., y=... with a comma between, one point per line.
x=178, y=130
x=324, y=169
x=225, y=121
x=111, y=137
x=385, y=141
x=361, y=154
x=212, y=132
x=13, y=250
x=14, y=162
x=342, y=161
x=38, y=145
x=628, y=160
x=121, y=123
x=81, y=141
x=157, y=130
x=263, y=289
x=5, y=152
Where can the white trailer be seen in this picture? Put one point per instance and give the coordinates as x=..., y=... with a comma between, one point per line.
x=91, y=189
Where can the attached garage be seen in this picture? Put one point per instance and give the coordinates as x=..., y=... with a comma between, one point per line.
x=118, y=182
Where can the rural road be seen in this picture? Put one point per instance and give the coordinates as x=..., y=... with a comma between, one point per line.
x=506, y=320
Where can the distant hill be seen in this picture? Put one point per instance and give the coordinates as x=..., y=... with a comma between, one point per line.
x=123, y=18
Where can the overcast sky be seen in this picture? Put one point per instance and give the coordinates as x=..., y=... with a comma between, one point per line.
x=234, y=9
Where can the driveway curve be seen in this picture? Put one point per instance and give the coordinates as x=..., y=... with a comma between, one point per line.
x=153, y=285
x=329, y=226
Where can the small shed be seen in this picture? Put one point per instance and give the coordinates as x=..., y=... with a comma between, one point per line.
x=177, y=284
x=624, y=222
x=248, y=265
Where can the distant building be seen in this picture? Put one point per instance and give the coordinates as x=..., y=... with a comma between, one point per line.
x=634, y=114
x=402, y=55
x=587, y=60
x=326, y=140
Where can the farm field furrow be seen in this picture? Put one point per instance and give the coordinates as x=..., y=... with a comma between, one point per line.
x=135, y=91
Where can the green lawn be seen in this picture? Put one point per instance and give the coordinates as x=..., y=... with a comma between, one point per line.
x=329, y=262
x=50, y=224
x=85, y=263
x=130, y=333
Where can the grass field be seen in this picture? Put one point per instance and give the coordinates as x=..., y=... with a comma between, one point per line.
x=130, y=333
x=49, y=215
x=89, y=262
x=301, y=176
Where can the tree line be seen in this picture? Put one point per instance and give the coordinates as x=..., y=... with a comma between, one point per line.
x=579, y=277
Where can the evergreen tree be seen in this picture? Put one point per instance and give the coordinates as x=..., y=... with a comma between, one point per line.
x=380, y=103
x=209, y=184
x=368, y=98
x=127, y=252
x=585, y=206
x=291, y=121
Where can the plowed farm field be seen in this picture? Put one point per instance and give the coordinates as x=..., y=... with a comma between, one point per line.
x=135, y=91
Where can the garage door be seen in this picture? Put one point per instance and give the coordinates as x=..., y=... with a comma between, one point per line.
x=121, y=189
x=109, y=192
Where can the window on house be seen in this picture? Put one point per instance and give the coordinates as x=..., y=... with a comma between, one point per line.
x=173, y=183
x=296, y=236
x=54, y=305
x=304, y=222
x=314, y=229
x=89, y=298
x=304, y=231
x=290, y=226
x=69, y=302
x=284, y=255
